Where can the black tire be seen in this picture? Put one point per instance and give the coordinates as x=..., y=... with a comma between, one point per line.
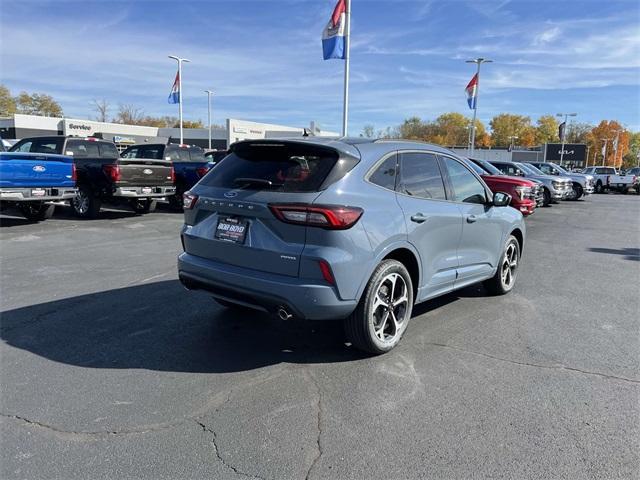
x=142, y=205
x=577, y=191
x=360, y=326
x=599, y=187
x=546, y=197
x=37, y=211
x=86, y=204
x=497, y=285
x=175, y=201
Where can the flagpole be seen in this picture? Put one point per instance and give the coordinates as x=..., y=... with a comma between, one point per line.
x=180, y=60
x=564, y=134
x=478, y=62
x=347, y=44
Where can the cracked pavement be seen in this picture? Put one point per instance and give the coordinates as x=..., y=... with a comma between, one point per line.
x=111, y=370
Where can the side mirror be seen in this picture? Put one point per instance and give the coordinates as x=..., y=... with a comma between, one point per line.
x=501, y=199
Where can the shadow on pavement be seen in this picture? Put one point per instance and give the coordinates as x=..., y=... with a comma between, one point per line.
x=160, y=326
x=628, y=253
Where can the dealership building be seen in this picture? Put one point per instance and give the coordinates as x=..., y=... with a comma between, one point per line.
x=20, y=126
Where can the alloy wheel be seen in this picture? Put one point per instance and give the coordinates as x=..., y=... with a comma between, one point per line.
x=81, y=202
x=509, y=266
x=390, y=308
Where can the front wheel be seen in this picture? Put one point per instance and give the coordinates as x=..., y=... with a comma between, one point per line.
x=577, y=191
x=143, y=205
x=546, y=197
x=505, y=278
x=384, y=311
x=37, y=211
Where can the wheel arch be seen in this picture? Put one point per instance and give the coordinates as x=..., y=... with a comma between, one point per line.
x=516, y=232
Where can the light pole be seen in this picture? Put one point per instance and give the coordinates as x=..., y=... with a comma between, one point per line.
x=586, y=161
x=180, y=61
x=566, y=116
x=604, y=150
x=209, y=93
x=615, y=149
x=478, y=61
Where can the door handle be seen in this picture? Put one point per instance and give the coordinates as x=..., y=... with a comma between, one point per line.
x=471, y=218
x=418, y=218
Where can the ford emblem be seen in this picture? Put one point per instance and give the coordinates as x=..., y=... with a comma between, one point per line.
x=231, y=194
x=39, y=168
x=147, y=171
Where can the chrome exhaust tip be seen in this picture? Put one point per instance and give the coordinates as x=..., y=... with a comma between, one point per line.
x=284, y=314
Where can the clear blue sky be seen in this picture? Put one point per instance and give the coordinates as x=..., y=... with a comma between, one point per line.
x=264, y=58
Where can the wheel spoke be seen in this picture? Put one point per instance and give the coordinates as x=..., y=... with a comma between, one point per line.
x=379, y=330
x=403, y=299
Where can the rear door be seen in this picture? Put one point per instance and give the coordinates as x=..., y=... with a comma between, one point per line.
x=232, y=222
x=480, y=244
x=434, y=224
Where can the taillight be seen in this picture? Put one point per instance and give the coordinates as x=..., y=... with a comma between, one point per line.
x=113, y=172
x=201, y=171
x=331, y=217
x=172, y=175
x=74, y=174
x=327, y=274
x=189, y=200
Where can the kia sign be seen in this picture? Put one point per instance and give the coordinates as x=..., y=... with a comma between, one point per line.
x=574, y=153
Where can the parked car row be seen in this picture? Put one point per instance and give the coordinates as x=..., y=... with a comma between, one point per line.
x=608, y=178
x=38, y=172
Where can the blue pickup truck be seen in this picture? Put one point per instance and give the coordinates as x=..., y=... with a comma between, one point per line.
x=188, y=161
x=32, y=182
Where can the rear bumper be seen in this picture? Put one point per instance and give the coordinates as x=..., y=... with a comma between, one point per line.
x=261, y=290
x=144, y=192
x=37, y=194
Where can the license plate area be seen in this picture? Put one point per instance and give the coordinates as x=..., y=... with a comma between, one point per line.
x=146, y=190
x=231, y=229
x=38, y=192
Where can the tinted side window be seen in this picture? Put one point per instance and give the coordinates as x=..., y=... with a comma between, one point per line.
x=420, y=176
x=466, y=187
x=23, y=146
x=385, y=174
x=545, y=168
x=130, y=153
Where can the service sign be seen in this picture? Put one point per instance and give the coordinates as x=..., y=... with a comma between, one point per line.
x=79, y=128
x=573, y=152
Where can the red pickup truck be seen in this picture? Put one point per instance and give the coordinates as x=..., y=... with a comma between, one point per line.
x=523, y=192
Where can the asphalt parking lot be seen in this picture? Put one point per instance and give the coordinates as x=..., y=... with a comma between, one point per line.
x=110, y=369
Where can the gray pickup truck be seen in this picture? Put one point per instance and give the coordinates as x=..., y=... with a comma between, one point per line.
x=583, y=184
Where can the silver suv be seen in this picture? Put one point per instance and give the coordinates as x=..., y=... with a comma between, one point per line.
x=354, y=229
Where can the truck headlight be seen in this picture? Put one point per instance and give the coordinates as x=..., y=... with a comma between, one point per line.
x=523, y=192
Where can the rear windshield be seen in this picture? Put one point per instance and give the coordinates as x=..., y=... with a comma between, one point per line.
x=89, y=148
x=282, y=167
x=39, y=145
x=487, y=166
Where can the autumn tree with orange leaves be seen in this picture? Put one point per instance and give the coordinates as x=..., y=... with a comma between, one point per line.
x=608, y=130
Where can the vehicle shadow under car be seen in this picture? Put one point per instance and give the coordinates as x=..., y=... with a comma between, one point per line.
x=160, y=326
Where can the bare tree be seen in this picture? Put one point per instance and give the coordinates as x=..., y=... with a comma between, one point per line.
x=101, y=107
x=129, y=114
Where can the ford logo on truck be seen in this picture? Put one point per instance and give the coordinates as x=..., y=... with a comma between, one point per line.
x=39, y=168
x=147, y=171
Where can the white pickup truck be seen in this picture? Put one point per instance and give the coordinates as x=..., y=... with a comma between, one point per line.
x=608, y=178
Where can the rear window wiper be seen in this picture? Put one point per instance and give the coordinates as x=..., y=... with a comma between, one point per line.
x=246, y=181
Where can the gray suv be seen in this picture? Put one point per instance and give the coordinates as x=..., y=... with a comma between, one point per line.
x=354, y=229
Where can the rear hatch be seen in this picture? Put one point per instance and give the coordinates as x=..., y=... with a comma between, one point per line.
x=233, y=220
x=35, y=170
